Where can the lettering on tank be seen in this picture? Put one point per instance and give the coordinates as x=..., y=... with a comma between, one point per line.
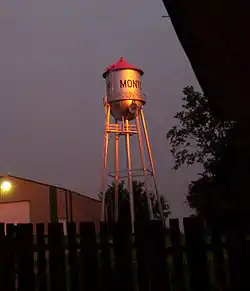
x=130, y=84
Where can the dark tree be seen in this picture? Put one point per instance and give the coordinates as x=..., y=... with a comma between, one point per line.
x=202, y=138
x=140, y=203
x=199, y=135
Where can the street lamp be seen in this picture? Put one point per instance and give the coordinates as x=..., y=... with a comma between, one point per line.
x=5, y=187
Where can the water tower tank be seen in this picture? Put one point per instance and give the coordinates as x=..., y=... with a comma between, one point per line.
x=124, y=89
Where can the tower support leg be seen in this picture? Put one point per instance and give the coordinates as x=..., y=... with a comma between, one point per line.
x=105, y=159
x=130, y=176
x=143, y=162
x=152, y=165
x=116, y=174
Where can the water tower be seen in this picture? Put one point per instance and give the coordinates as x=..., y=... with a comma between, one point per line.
x=124, y=117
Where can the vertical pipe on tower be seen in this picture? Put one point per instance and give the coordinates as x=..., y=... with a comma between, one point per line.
x=143, y=162
x=152, y=165
x=130, y=177
x=116, y=171
x=70, y=206
x=105, y=158
x=66, y=206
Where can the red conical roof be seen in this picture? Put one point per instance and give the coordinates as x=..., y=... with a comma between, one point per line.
x=120, y=65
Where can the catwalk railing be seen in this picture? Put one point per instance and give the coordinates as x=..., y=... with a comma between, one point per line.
x=155, y=259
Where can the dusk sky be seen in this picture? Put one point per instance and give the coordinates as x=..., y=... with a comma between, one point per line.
x=52, y=55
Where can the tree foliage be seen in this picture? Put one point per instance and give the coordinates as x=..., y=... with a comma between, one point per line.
x=140, y=202
x=202, y=138
x=199, y=135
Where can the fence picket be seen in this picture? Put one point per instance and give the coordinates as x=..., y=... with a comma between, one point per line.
x=123, y=258
x=157, y=255
x=238, y=259
x=42, y=276
x=72, y=255
x=177, y=255
x=107, y=273
x=142, y=251
x=10, y=278
x=196, y=254
x=89, y=256
x=218, y=256
x=25, y=257
x=2, y=258
x=56, y=248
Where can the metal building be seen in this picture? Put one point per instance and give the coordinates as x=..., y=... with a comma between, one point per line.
x=26, y=201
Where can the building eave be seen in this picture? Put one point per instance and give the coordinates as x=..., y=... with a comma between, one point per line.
x=215, y=37
x=47, y=185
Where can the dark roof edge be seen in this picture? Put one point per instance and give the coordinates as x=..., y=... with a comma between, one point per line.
x=49, y=185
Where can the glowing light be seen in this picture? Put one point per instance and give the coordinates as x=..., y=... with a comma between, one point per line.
x=6, y=186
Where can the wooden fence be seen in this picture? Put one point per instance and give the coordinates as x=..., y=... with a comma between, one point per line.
x=155, y=259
